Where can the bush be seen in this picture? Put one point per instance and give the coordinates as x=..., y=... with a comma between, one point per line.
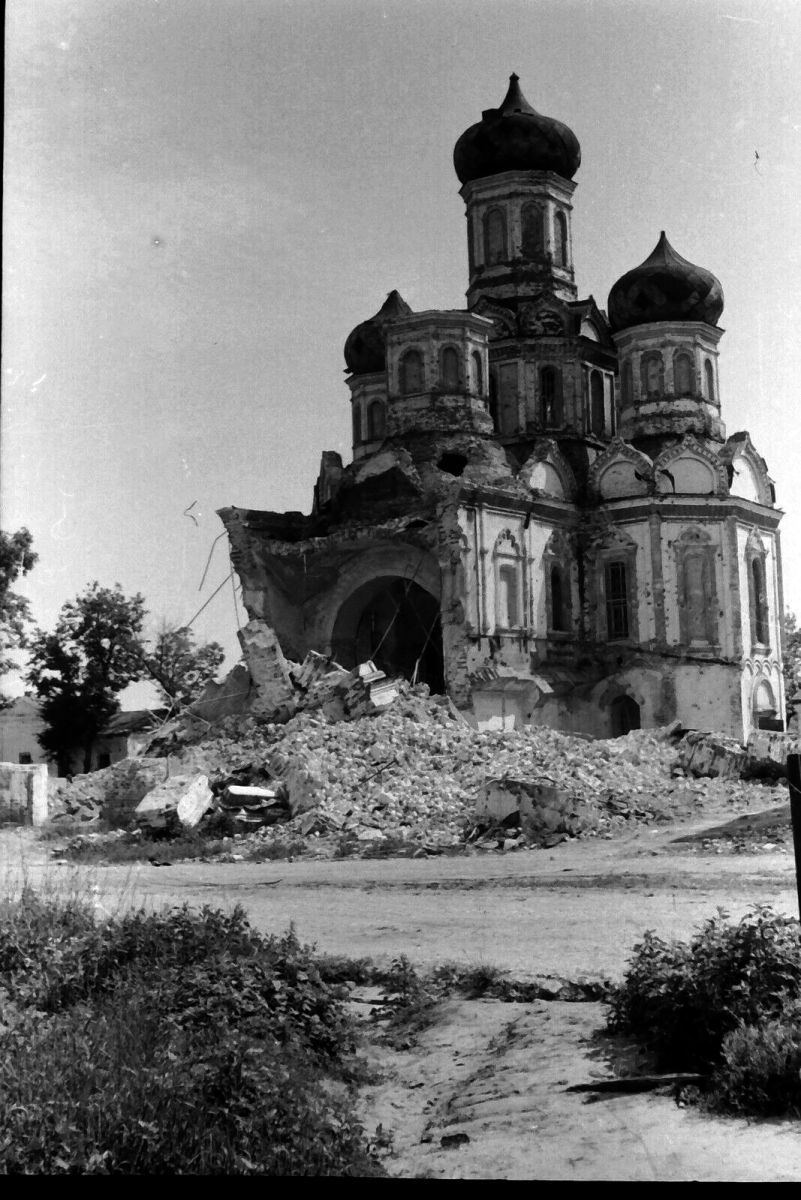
x=683, y=999
x=761, y=1067
x=170, y=1043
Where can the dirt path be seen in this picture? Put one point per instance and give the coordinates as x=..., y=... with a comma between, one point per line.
x=498, y=1071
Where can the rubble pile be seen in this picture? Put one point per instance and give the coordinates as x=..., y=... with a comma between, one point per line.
x=414, y=773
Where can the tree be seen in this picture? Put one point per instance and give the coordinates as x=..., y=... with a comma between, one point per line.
x=16, y=558
x=791, y=668
x=180, y=668
x=78, y=670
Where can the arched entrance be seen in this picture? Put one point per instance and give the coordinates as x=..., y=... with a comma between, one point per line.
x=625, y=715
x=396, y=623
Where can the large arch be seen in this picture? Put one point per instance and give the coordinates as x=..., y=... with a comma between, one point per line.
x=395, y=622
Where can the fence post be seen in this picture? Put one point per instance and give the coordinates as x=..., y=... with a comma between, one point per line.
x=794, y=779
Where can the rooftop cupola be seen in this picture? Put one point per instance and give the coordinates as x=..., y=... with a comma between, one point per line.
x=666, y=287
x=365, y=347
x=515, y=137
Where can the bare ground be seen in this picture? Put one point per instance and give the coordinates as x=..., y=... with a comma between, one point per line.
x=493, y=1071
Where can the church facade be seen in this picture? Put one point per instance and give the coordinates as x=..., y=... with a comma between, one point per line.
x=543, y=517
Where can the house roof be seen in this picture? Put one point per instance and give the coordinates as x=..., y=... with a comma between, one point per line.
x=137, y=721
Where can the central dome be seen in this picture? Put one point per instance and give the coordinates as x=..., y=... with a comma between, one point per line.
x=515, y=137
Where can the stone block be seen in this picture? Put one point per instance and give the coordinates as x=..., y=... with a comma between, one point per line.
x=23, y=793
x=183, y=797
x=269, y=671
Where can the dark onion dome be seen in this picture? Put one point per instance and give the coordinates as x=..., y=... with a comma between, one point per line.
x=665, y=288
x=365, y=348
x=515, y=137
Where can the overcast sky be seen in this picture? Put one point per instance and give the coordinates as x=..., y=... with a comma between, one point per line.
x=203, y=197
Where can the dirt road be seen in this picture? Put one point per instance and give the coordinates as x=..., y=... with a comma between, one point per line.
x=498, y=1073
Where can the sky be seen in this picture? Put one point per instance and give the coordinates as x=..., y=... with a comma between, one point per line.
x=203, y=197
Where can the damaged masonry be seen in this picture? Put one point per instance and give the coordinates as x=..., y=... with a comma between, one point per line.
x=544, y=519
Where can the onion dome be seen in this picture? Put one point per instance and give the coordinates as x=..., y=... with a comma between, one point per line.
x=515, y=137
x=365, y=348
x=665, y=288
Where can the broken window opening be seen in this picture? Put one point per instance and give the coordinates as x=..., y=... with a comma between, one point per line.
x=357, y=424
x=453, y=464
x=709, y=371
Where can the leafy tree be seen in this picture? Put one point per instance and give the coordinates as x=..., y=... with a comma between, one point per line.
x=16, y=558
x=792, y=655
x=179, y=667
x=79, y=669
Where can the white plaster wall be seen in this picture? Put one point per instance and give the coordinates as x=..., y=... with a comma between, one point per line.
x=705, y=698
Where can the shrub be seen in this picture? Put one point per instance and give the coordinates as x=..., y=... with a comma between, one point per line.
x=761, y=1067
x=176, y=1042
x=683, y=999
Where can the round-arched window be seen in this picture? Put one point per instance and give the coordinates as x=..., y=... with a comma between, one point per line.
x=411, y=372
x=449, y=369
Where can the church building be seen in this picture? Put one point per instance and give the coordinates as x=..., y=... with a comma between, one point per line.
x=543, y=517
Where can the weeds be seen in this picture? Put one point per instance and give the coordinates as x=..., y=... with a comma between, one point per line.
x=170, y=1043
x=728, y=1003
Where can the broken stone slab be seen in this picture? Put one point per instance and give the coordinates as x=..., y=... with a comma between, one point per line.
x=544, y=809
x=183, y=797
x=712, y=755
x=274, y=693
x=236, y=796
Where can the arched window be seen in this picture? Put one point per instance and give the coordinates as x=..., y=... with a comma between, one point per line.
x=709, y=371
x=508, y=583
x=560, y=600
x=550, y=396
x=357, y=424
x=759, y=603
x=596, y=402
x=695, y=597
x=533, y=230
x=494, y=236
x=493, y=398
x=652, y=373
x=627, y=383
x=683, y=374
x=376, y=421
x=547, y=394
x=508, y=612
x=764, y=707
x=449, y=369
x=617, y=600
x=411, y=372
x=478, y=373
x=560, y=239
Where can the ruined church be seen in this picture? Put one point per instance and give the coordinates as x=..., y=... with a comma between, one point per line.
x=543, y=517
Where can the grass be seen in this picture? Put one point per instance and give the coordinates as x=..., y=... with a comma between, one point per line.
x=170, y=1043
